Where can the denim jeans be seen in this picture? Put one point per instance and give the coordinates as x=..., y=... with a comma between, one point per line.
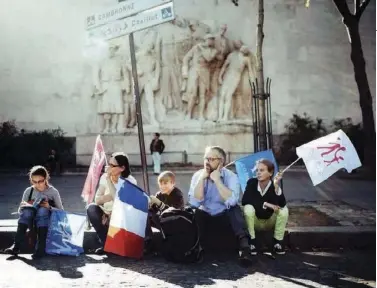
x=41, y=216
x=95, y=214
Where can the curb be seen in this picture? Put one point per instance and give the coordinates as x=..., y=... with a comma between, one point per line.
x=297, y=238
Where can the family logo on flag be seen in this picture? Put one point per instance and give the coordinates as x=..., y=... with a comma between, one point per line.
x=96, y=165
x=246, y=167
x=326, y=155
x=128, y=221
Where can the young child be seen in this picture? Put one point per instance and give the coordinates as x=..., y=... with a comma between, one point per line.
x=169, y=195
x=265, y=205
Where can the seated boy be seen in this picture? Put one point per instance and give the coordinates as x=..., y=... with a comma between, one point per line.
x=168, y=196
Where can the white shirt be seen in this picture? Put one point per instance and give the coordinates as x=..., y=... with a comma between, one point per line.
x=108, y=206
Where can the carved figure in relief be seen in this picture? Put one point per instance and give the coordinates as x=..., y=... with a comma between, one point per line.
x=129, y=103
x=230, y=76
x=109, y=84
x=149, y=69
x=198, y=75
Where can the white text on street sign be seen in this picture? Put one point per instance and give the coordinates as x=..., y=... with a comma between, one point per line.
x=155, y=16
x=122, y=10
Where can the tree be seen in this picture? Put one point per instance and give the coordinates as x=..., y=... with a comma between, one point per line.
x=351, y=22
x=260, y=78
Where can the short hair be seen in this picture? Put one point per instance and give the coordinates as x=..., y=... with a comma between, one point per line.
x=122, y=161
x=218, y=149
x=268, y=163
x=166, y=176
x=157, y=134
x=39, y=171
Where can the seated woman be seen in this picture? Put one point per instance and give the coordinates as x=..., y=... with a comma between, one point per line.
x=265, y=206
x=99, y=212
x=36, y=204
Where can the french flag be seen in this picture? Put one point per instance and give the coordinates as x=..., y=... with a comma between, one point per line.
x=128, y=221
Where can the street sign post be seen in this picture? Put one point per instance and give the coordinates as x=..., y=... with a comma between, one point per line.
x=146, y=19
x=121, y=10
x=109, y=25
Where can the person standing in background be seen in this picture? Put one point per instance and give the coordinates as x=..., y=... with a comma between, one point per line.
x=157, y=147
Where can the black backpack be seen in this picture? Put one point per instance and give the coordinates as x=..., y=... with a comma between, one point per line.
x=180, y=236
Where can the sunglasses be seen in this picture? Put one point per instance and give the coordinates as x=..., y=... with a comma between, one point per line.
x=38, y=182
x=113, y=165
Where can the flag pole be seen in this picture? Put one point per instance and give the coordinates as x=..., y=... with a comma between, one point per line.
x=290, y=165
x=229, y=164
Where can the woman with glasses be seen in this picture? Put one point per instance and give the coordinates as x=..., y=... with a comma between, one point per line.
x=35, y=207
x=99, y=212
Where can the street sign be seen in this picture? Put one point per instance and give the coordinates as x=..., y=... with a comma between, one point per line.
x=152, y=17
x=121, y=10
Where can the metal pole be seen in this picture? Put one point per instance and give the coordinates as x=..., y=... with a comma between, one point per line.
x=138, y=114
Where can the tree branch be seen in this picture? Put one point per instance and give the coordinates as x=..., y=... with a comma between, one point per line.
x=343, y=8
x=362, y=7
x=357, y=6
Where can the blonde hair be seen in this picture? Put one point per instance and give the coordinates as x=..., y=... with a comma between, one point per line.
x=166, y=176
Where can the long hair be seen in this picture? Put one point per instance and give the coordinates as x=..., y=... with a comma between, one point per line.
x=122, y=161
x=39, y=171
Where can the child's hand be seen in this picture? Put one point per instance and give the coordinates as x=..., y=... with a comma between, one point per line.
x=155, y=200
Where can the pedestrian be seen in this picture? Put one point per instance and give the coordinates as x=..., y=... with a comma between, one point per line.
x=157, y=147
x=214, y=191
x=37, y=202
x=99, y=212
x=264, y=205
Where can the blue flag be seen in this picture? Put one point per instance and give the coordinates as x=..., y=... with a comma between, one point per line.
x=65, y=233
x=246, y=166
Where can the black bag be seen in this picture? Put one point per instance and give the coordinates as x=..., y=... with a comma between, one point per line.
x=180, y=236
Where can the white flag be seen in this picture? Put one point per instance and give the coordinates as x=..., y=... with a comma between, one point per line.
x=326, y=155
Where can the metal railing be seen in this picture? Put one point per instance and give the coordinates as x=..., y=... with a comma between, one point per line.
x=168, y=157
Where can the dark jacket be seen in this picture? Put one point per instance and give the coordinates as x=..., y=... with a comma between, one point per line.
x=159, y=147
x=174, y=199
x=253, y=197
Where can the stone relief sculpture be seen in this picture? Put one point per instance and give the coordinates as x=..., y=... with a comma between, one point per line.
x=198, y=75
x=184, y=72
x=149, y=69
x=129, y=103
x=230, y=77
x=109, y=84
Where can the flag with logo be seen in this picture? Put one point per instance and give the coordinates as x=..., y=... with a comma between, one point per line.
x=128, y=221
x=246, y=166
x=65, y=233
x=326, y=155
x=96, y=165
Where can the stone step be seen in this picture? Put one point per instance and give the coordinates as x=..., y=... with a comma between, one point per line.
x=297, y=238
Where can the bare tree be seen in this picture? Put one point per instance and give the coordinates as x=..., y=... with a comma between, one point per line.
x=351, y=22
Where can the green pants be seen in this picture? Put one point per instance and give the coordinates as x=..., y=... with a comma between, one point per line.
x=276, y=222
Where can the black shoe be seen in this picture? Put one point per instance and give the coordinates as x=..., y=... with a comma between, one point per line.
x=99, y=251
x=279, y=248
x=245, y=257
x=13, y=250
x=253, y=250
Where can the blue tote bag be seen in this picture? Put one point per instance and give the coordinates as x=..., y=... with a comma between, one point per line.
x=65, y=233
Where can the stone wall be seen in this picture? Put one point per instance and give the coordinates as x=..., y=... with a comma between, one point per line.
x=50, y=77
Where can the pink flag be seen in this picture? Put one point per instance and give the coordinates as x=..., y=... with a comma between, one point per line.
x=96, y=165
x=326, y=155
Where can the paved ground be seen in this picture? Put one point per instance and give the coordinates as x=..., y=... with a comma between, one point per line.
x=297, y=188
x=345, y=269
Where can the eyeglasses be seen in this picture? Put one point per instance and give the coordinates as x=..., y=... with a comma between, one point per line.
x=113, y=165
x=38, y=182
x=211, y=159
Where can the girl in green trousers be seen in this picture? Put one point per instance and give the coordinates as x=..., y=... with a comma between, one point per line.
x=264, y=205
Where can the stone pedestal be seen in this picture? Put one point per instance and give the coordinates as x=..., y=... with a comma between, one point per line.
x=235, y=137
